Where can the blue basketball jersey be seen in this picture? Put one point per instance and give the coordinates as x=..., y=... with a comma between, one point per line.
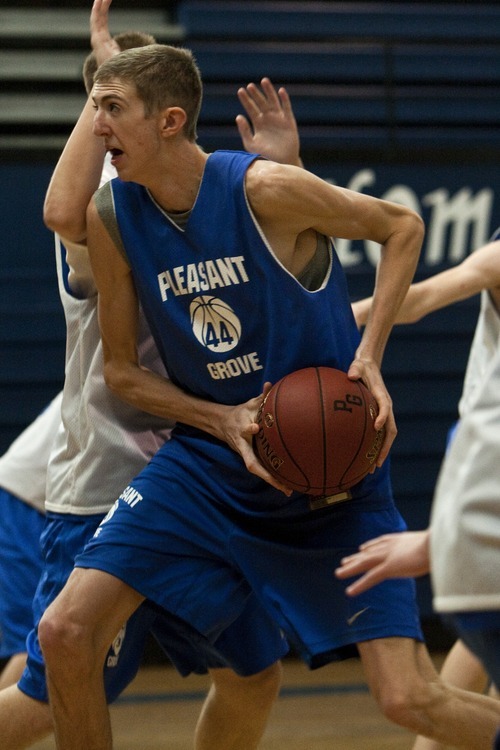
x=226, y=315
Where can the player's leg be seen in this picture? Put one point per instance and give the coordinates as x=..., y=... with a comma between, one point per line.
x=461, y=669
x=240, y=699
x=23, y=720
x=236, y=710
x=402, y=678
x=75, y=634
x=12, y=670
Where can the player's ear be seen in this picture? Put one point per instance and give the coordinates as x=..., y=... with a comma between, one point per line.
x=172, y=121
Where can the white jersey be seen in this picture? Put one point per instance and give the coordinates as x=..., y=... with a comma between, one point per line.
x=465, y=519
x=484, y=347
x=105, y=442
x=23, y=467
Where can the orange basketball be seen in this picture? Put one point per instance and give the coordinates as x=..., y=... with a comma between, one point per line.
x=317, y=432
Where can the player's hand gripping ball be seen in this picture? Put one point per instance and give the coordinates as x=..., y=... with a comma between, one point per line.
x=317, y=432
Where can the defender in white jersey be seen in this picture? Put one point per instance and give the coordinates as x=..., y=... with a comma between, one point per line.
x=23, y=473
x=462, y=560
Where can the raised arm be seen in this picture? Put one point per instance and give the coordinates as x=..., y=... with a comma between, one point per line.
x=292, y=205
x=480, y=270
x=270, y=127
x=78, y=170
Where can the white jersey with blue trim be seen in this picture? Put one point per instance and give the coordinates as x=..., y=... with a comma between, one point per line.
x=105, y=442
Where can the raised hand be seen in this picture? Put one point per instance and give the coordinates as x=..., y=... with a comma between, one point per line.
x=401, y=555
x=270, y=128
x=103, y=45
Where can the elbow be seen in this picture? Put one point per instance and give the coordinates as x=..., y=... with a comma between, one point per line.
x=416, y=226
x=113, y=378
x=58, y=218
x=119, y=380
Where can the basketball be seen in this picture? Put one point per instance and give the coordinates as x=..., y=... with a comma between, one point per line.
x=317, y=433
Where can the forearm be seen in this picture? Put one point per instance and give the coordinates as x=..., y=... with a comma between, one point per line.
x=395, y=272
x=75, y=179
x=155, y=394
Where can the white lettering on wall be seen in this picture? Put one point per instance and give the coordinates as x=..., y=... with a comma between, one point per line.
x=457, y=223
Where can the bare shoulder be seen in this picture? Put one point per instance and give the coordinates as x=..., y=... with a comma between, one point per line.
x=269, y=184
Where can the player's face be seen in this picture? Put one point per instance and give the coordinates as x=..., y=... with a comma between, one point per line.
x=130, y=137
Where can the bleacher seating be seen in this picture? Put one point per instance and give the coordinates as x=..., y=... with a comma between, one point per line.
x=390, y=73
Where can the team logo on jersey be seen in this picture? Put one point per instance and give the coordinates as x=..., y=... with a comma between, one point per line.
x=214, y=323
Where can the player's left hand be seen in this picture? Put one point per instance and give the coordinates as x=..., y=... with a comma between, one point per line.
x=271, y=129
x=103, y=45
x=367, y=371
x=401, y=555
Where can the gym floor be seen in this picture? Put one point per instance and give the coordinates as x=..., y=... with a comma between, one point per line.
x=320, y=710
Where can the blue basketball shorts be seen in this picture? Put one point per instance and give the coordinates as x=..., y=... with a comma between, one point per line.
x=63, y=537
x=20, y=567
x=172, y=538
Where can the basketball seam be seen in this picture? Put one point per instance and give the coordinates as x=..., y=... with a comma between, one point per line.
x=355, y=456
x=307, y=485
x=323, y=426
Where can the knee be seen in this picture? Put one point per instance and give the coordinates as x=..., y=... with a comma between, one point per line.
x=267, y=683
x=62, y=639
x=405, y=705
x=261, y=688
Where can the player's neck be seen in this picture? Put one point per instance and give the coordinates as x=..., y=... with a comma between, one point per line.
x=178, y=182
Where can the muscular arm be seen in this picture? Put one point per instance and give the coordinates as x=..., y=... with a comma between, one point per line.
x=292, y=205
x=78, y=171
x=142, y=388
x=480, y=270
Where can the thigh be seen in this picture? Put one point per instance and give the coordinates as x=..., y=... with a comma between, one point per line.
x=167, y=538
x=295, y=580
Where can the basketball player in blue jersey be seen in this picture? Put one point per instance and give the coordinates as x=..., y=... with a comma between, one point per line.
x=101, y=431
x=230, y=258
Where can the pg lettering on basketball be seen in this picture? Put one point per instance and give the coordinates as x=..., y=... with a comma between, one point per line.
x=347, y=403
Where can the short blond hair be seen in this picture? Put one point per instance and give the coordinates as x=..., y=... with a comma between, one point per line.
x=125, y=40
x=163, y=76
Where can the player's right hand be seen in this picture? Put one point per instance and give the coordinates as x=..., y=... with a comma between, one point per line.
x=401, y=555
x=238, y=429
